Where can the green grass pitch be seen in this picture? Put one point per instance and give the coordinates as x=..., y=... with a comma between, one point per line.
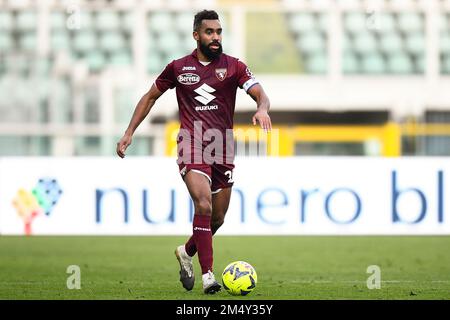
x=288, y=267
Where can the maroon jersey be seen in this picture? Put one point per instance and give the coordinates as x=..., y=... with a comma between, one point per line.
x=206, y=94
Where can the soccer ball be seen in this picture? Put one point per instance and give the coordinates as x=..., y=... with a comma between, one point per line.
x=239, y=278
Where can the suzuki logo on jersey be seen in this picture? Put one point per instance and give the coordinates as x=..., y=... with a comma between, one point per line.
x=188, y=78
x=205, y=95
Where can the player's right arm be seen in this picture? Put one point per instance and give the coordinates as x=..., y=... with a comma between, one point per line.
x=140, y=112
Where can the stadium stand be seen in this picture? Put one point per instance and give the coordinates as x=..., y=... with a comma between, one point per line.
x=66, y=65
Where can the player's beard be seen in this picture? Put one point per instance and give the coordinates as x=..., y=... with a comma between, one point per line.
x=211, y=54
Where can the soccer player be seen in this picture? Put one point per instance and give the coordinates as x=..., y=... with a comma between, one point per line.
x=206, y=82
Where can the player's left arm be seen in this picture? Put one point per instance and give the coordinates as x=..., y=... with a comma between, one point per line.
x=263, y=105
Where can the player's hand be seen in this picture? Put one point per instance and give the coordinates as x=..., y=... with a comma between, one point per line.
x=123, y=144
x=263, y=118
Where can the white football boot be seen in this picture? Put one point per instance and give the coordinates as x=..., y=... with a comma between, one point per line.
x=187, y=276
x=210, y=285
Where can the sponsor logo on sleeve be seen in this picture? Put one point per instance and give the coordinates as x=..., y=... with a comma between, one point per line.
x=249, y=73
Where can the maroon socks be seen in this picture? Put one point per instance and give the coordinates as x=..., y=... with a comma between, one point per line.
x=190, y=247
x=201, y=240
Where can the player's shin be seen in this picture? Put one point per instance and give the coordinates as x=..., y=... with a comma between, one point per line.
x=203, y=241
x=190, y=247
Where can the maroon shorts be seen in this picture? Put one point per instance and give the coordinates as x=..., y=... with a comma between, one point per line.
x=220, y=176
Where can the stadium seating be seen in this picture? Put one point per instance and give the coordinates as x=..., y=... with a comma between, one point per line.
x=107, y=35
x=399, y=63
x=26, y=21
x=60, y=41
x=99, y=38
x=107, y=21
x=111, y=41
x=28, y=42
x=302, y=22
x=121, y=58
x=391, y=42
x=364, y=42
x=373, y=63
x=84, y=41
x=6, y=42
x=184, y=23
x=96, y=60
x=415, y=43
x=6, y=20
x=58, y=20
x=410, y=22
x=385, y=23
x=110, y=31
x=86, y=20
x=354, y=22
x=317, y=63
x=419, y=62
x=310, y=37
x=168, y=43
x=158, y=22
x=444, y=44
x=350, y=62
x=445, y=62
x=371, y=44
x=154, y=62
x=127, y=22
x=400, y=39
x=311, y=42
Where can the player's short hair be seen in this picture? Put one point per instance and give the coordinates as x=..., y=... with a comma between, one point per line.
x=204, y=15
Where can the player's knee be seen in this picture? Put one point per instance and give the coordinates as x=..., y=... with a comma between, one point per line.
x=203, y=206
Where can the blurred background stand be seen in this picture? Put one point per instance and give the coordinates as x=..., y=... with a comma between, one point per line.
x=358, y=77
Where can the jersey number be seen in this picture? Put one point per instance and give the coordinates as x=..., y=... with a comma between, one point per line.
x=229, y=174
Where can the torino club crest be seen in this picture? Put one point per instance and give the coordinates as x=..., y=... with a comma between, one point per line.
x=221, y=74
